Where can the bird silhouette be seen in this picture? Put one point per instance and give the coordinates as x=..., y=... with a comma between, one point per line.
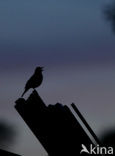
x=35, y=80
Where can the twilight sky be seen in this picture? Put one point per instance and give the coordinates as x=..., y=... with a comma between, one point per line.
x=74, y=43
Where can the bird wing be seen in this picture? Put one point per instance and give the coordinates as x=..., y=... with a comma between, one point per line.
x=29, y=83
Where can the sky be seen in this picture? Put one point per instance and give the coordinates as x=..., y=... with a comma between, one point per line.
x=75, y=44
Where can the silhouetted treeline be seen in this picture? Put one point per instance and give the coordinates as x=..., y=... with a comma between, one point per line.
x=108, y=137
x=7, y=133
x=109, y=12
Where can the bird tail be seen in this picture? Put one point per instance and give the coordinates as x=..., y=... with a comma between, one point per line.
x=23, y=93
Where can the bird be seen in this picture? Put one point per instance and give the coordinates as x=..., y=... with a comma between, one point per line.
x=35, y=80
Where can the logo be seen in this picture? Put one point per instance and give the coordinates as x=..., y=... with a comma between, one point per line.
x=84, y=149
x=96, y=149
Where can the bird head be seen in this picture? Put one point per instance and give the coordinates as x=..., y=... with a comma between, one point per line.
x=39, y=69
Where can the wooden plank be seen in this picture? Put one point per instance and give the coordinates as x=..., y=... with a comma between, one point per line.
x=85, y=123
